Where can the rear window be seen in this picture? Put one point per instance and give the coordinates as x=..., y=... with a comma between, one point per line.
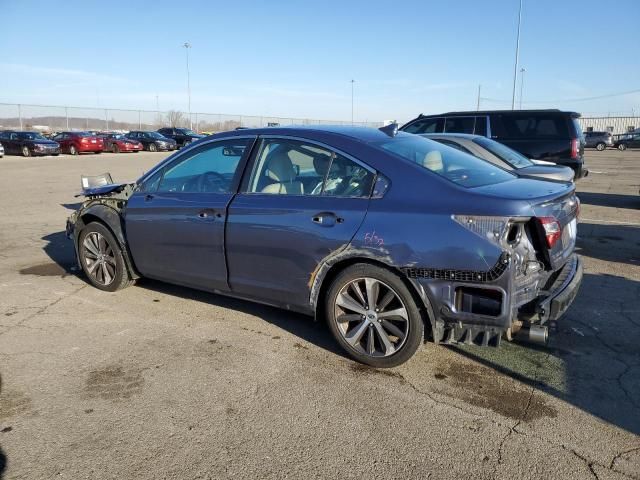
x=513, y=158
x=530, y=125
x=454, y=165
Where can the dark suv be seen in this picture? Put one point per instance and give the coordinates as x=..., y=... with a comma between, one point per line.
x=598, y=140
x=182, y=136
x=550, y=135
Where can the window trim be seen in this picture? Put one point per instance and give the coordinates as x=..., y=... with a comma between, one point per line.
x=252, y=163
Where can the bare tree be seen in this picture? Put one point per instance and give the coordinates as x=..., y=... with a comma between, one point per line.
x=175, y=118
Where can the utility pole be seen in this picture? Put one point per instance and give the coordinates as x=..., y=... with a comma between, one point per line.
x=478, y=104
x=352, y=82
x=515, y=66
x=522, y=70
x=187, y=46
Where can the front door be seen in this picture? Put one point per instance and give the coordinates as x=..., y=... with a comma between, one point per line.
x=301, y=203
x=175, y=221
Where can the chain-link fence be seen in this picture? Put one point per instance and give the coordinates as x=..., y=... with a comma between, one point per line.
x=50, y=118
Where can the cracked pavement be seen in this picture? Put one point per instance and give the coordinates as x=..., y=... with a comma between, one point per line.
x=158, y=381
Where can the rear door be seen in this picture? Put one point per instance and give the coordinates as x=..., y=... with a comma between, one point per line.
x=302, y=202
x=175, y=221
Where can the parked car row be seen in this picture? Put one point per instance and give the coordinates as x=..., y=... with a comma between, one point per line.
x=28, y=143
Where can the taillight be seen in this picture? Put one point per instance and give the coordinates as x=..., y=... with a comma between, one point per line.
x=552, y=230
x=575, y=147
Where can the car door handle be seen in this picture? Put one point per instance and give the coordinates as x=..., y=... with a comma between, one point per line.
x=209, y=214
x=148, y=197
x=326, y=219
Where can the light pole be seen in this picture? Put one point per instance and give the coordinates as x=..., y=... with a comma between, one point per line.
x=515, y=66
x=522, y=70
x=352, y=82
x=187, y=46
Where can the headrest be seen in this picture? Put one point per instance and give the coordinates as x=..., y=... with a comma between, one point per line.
x=280, y=167
x=321, y=164
x=433, y=161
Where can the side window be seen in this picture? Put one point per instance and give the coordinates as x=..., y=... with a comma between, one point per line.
x=459, y=124
x=347, y=179
x=481, y=126
x=522, y=125
x=209, y=169
x=150, y=185
x=291, y=167
x=428, y=125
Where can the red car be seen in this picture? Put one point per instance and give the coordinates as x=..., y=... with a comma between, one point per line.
x=117, y=142
x=79, y=142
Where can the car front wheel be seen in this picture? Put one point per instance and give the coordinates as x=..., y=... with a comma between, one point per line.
x=373, y=316
x=622, y=147
x=25, y=151
x=600, y=147
x=153, y=147
x=101, y=258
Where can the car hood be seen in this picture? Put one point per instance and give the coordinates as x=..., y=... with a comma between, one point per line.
x=551, y=172
x=526, y=189
x=102, y=189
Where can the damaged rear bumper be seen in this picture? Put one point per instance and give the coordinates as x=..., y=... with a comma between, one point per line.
x=480, y=312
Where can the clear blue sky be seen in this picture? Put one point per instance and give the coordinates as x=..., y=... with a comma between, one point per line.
x=297, y=58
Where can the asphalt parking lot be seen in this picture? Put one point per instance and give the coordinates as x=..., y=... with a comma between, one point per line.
x=157, y=381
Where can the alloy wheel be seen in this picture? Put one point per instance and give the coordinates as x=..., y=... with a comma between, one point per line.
x=371, y=317
x=25, y=151
x=99, y=258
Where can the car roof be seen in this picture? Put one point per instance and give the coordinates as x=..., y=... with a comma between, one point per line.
x=362, y=134
x=486, y=112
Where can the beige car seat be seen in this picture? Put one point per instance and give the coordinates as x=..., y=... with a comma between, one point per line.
x=280, y=169
x=433, y=161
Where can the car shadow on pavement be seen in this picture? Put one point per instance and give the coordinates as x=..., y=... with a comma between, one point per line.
x=302, y=326
x=60, y=249
x=615, y=243
x=592, y=360
x=615, y=200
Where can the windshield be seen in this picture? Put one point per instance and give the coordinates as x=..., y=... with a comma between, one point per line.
x=454, y=165
x=30, y=136
x=513, y=158
x=155, y=135
x=186, y=131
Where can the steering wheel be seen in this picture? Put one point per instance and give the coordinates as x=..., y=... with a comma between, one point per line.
x=212, y=182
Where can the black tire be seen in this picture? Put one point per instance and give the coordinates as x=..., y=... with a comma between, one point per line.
x=600, y=146
x=115, y=148
x=118, y=275
x=26, y=152
x=622, y=147
x=153, y=147
x=413, y=327
x=73, y=150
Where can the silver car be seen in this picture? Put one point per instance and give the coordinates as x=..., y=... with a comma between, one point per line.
x=503, y=156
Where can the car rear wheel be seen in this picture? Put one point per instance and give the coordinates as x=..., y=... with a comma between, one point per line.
x=101, y=258
x=373, y=316
x=26, y=152
x=622, y=147
x=73, y=150
x=153, y=147
x=600, y=146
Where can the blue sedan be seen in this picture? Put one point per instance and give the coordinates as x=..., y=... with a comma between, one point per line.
x=387, y=236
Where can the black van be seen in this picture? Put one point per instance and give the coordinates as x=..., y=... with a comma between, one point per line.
x=550, y=135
